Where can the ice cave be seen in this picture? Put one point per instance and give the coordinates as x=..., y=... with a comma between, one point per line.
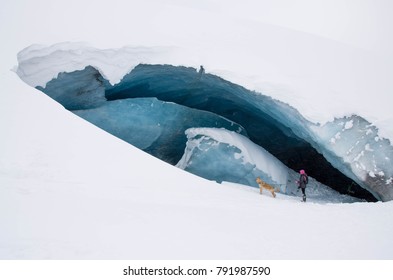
x=154, y=107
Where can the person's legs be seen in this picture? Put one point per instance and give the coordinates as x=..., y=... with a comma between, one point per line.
x=304, y=194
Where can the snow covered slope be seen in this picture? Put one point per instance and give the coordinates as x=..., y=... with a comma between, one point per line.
x=70, y=190
x=63, y=197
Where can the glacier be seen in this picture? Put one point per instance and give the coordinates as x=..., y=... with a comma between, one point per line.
x=76, y=93
x=69, y=190
x=276, y=126
x=222, y=155
x=353, y=143
x=154, y=126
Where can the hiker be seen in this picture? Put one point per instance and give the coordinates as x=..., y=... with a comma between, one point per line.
x=302, y=183
x=201, y=72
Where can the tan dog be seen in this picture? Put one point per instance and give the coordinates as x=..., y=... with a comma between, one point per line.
x=266, y=186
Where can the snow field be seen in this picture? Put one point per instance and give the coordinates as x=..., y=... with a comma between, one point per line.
x=110, y=200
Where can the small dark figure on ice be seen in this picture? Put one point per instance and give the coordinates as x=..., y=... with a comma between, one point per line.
x=302, y=183
x=201, y=72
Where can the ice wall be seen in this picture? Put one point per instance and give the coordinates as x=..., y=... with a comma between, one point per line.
x=78, y=90
x=353, y=145
x=154, y=126
x=273, y=125
x=222, y=155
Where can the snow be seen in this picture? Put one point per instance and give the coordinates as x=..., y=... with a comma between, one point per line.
x=41, y=64
x=112, y=201
x=68, y=190
x=348, y=125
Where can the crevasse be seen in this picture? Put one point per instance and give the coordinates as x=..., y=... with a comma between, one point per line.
x=183, y=98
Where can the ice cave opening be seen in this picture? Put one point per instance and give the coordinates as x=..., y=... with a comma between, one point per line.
x=153, y=105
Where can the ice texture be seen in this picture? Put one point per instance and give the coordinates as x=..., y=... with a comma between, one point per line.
x=226, y=156
x=78, y=90
x=353, y=145
x=276, y=126
x=273, y=125
x=152, y=125
x=221, y=155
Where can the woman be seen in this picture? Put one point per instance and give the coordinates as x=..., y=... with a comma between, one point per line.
x=302, y=183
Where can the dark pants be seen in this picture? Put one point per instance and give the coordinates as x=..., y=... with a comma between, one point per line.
x=303, y=191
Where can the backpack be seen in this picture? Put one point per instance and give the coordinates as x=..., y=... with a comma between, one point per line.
x=305, y=178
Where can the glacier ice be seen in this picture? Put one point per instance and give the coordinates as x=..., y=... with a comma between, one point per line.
x=273, y=125
x=354, y=146
x=78, y=90
x=152, y=125
x=222, y=155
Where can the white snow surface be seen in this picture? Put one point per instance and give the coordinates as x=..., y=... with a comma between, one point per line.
x=61, y=197
x=68, y=190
